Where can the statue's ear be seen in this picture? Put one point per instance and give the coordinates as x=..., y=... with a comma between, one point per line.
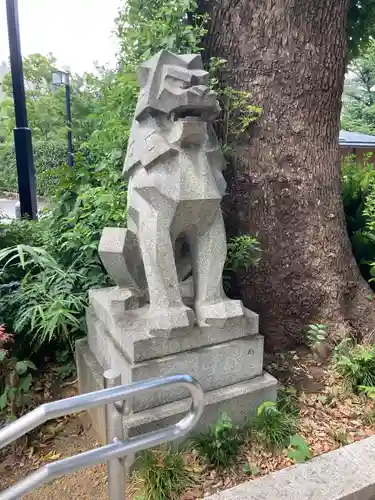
x=143, y=73
x=193, y=61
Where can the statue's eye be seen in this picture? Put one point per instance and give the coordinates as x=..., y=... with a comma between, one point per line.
x=176, y=82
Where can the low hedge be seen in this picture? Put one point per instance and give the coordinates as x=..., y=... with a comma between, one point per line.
x=48, y=155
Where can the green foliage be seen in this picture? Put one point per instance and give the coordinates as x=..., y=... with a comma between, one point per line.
x=243, y=251
x=48, y=156
x=238, y=111
x=360, y=27
x=43, y=289
x=50, y=307
x=275, y=424
x=163, y=475
x=359, y=100
x=46, y=105
x=287, y=401
x=144, y=28
x=357, y=185
x=299, y=450
x=49, y=302
x=368, y=390
x=316, y=334
x=356, y=363
x=15, y=377
x=220, y=445
x=22, y=231
x=67, y=367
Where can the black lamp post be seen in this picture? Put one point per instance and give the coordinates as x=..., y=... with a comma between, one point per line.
x=62, y=78
x=22, y=133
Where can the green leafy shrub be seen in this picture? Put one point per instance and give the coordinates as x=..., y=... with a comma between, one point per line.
x=316, y=334
x=20, y=231
x=15, y=377
x=48, y=155
x=356, y=363
x=49, y=302
x=220, y=445
x=238, y=109
x=162, y=475
x=243, y=251
x=274, y=424
x=356, y=187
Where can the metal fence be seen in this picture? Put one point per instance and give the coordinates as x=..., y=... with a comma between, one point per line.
x=113, y=397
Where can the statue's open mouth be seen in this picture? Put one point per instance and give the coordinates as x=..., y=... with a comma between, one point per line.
x=189, y=113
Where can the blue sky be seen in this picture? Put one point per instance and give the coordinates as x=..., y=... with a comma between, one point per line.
x=77, y=32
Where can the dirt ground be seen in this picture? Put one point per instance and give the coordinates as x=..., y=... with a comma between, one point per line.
x=330, y=418
x=74, y=436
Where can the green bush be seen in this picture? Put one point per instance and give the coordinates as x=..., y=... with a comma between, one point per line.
x=162, y=475
x=358, y=191
x=356, y=363
x=48, y=302
x=48, y=155
x=275, y=424
x=49, y=265
x=220, y=445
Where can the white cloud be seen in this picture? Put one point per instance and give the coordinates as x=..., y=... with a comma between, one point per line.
x=77, y=32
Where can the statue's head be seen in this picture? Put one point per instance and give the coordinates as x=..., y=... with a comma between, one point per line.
x=176, y=86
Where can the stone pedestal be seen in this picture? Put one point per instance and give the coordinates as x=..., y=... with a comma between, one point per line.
x=227, y=360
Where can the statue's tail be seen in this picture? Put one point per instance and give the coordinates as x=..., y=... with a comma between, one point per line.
x=120, y=254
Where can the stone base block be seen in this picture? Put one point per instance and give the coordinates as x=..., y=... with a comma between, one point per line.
x=239, y=400
x=214, y=366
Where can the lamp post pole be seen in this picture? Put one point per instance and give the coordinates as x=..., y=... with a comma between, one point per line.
x=69, y=121
x=22, y=133
x=63, y=78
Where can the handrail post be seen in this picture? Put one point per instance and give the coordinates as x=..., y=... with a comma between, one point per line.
x=114, y=432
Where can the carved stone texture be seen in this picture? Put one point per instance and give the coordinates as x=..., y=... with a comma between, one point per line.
x=174, y=167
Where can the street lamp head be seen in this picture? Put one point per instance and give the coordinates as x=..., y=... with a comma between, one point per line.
x=60, y=78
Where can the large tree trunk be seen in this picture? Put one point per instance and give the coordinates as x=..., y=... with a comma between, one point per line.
x=284, y=186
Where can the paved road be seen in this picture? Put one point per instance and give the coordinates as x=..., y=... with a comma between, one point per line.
x=8, y=208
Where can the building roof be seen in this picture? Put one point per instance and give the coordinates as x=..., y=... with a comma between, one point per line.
x=356, y=140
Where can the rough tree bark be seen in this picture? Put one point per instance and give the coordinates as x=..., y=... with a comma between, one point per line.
x=284, y=186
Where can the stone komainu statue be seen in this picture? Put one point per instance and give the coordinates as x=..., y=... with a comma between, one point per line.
x=175, y=226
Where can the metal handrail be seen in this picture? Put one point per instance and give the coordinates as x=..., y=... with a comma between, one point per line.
x=117, y=447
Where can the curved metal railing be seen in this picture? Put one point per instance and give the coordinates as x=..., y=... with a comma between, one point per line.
x=113, y=397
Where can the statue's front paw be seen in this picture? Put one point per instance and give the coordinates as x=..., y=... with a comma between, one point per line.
x=162, y=321
x=218, y=313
